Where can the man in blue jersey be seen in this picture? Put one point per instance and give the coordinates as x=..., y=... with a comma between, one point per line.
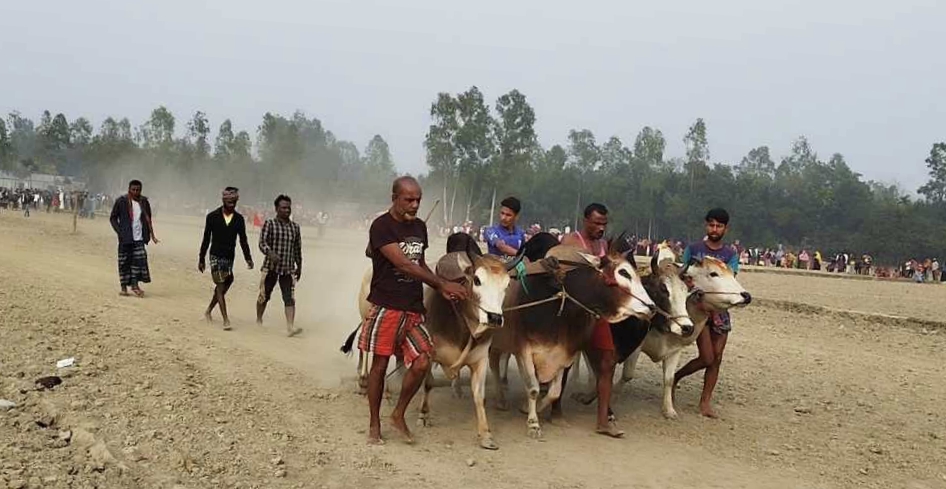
x=712, y=340
x=504, y=239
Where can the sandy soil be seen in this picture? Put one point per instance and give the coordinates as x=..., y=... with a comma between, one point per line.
x=898, y=298
x=158, y=398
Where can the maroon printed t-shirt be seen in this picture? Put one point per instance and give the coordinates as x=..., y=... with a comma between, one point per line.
x=391, y=288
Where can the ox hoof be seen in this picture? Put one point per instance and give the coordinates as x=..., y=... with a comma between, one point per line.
x=584, y=397
x=423, y=421
x=672, y=414
x=488, y=443
x=535, y=432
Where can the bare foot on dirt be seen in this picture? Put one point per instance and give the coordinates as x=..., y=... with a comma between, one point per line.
x=208, y=317
x=226, y=326
x=707, y=410
x=124, y=293
x=294, y=331
x=610, y=430
x=401, y=426
x=374, y=437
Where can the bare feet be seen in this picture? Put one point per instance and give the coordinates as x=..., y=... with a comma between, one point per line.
x=400, y=425
x=610, y=430
x=226, y=325
x=124, y=293
x=208, y=317
x=294, y=331
x=374, y=437
x=707, y=410
x=138, y=292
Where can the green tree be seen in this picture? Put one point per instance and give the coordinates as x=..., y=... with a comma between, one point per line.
x=6, y=148
x=935, y=189
x=516, y=142
x=198, y=131
x=224, y=141
x=158, y=131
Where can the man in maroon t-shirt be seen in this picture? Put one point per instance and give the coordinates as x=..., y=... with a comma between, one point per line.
x=395, y=323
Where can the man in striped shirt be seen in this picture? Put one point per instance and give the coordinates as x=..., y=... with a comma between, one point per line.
x=281, y=244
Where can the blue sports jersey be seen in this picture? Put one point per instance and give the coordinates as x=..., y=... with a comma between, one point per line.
x=727, y=254
x=494, y=234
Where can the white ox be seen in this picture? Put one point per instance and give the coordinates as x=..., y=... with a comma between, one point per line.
x=715, y=289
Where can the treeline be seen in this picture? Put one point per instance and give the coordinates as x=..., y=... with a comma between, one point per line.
x=477, y=152
x=294, y=155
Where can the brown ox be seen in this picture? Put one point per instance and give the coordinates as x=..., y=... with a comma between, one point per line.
x=549, y=329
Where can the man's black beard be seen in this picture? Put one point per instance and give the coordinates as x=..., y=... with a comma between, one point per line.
x=714, y=239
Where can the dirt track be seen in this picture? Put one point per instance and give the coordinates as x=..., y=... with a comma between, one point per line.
x=160, y=399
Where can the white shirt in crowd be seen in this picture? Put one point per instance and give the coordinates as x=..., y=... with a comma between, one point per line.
x=136, y=221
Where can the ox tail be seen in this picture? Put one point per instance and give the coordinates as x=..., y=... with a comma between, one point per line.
x=350, y=342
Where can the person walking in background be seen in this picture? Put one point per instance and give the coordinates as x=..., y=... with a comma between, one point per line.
x=131, y=221
x=281, y=244
x=221, y=230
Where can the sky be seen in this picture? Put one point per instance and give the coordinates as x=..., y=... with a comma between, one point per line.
x=865, y=78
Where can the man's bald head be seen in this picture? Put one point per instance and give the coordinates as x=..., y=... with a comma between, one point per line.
x=405, y=198
x=404, y=183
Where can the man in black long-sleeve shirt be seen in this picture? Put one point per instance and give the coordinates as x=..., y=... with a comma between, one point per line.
x=224, y=225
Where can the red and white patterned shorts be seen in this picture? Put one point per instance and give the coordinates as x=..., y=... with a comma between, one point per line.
x=387, y=332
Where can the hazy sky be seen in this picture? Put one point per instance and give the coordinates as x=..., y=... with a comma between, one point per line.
x=865, y=78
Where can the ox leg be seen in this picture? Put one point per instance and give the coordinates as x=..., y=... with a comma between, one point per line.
x=423, y=419
x=627, y=373
x=495, y=368
x=478, y=386
x=527, y=372
x=591, y=392
x=554, y=393
x=456, y=386
x=670, y=368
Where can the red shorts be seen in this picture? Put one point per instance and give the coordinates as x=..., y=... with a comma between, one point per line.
x=601, y=338
x=387, y=332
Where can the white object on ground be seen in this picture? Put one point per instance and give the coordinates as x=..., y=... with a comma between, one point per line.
x=66, y=362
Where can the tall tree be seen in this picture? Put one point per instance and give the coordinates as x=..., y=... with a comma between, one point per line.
x=198, y=131
x=158, y=131
x=584, y=156
x=81, y=132
x=475, y=142
x=935, y=189
x=378, y=156
x=697, y=150
x=224, y=140
x=6, y=148
x=649, y=146
x=516, y=142
x=443, y=155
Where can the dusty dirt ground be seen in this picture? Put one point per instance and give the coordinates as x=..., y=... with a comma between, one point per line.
x=158, y=398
